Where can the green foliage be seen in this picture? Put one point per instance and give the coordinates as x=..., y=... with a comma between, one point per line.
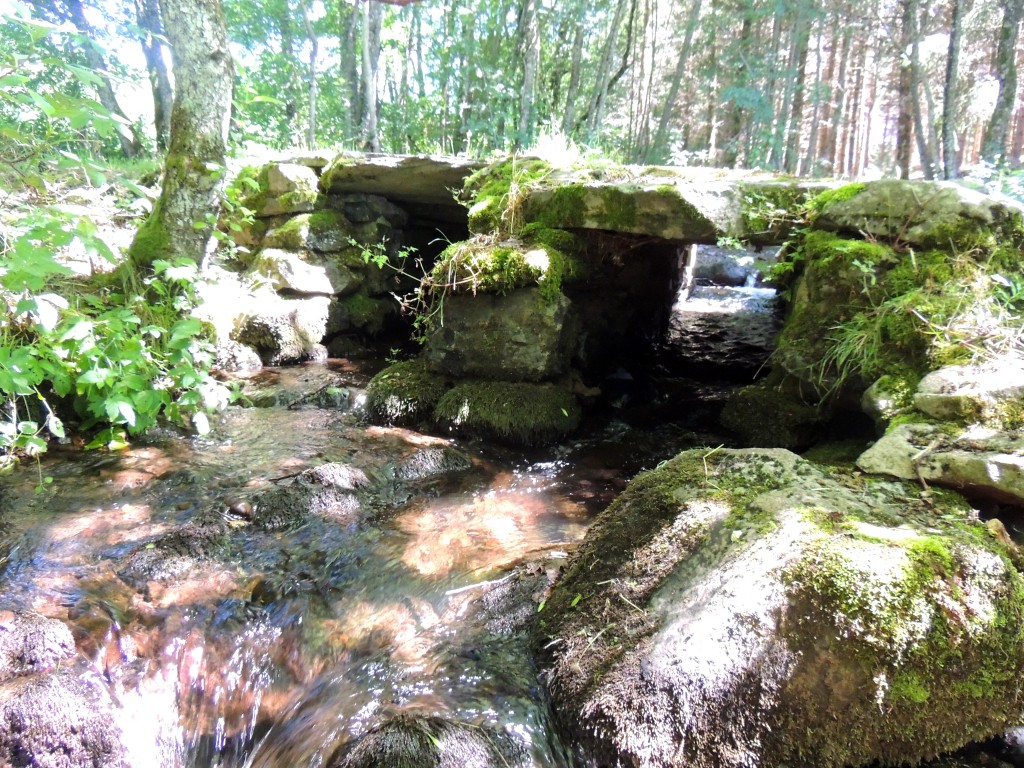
x=115, y=358
x=114, y=354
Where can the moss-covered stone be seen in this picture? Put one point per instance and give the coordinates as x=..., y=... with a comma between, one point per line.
x=848, y=621
x=495, y=194
x=519, y=413
x=405, y=393
x=862, y=308
x=485, y=265
x=772, y=415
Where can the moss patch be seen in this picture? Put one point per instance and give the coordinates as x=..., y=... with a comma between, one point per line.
x=495, y=194
x=404, y=393
x=484, y=264
x=770, y=415
x=520, y=413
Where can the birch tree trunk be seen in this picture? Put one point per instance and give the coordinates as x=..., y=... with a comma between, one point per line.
x=184, y=216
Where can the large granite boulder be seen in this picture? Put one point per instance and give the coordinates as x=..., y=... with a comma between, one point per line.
x=517, y=337
x=991, y=393
x=742, y=608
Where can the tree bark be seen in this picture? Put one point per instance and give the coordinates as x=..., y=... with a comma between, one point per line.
x=131, y=142
x=529, y=31
x=905, y=91
x=949, y=159
x=348, y=27
x=993, y=147
x=575, y=74
x=184, y=216
x=795, y=118
x=923, y=149
x=604, y=71
x=148, y=15
x=373, y=15
x=311, y=75
x=659, y=147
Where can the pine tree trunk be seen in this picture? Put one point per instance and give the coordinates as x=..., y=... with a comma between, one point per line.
x=807, y=167
x=184, y=216
x=949, y=160
x=994, y=144
x=149, y=22
x=801, y=44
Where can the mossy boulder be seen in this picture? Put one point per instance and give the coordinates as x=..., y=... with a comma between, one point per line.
x=668, y=211
x=899, y=298
x=741, y=607
x=306, y=272
x=286, y=330
x=915, y=213
x=772, y=415
x=990, y=393
x=515, y=412
x=318, y=231
x=362, y=314
x=520, y=336
x=495, y=194
x=404, y=393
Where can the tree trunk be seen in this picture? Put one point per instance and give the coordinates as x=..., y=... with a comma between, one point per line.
x=923, y=149
x=149, y=22
x=807, y=167
x=348, y=28
x=575, y=73
x=659, y=147
x=905, y=92
x=949, y=160
x=311, y=81
x=289, y=96
x=529, y=42
x=604, y=71
x=184, y=216
x=373, y=15
x=801, y=44
x=131, y=142
x=993, y=148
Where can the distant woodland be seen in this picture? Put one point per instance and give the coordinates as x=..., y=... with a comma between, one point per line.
x=838, y=88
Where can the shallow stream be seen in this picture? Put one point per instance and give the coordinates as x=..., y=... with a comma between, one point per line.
x=280, y=645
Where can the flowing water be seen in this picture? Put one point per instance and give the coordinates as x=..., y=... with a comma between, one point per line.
x=280, y=645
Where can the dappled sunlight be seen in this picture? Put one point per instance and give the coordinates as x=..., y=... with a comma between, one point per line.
x=486, y=531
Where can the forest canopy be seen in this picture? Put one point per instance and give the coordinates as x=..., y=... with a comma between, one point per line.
x=833, y=88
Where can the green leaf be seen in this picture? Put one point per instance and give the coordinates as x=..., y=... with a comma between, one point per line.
x=95, y=376
x=55, y=426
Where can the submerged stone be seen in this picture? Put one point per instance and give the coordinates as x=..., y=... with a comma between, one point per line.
x=742, y=608
x=432, y=742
